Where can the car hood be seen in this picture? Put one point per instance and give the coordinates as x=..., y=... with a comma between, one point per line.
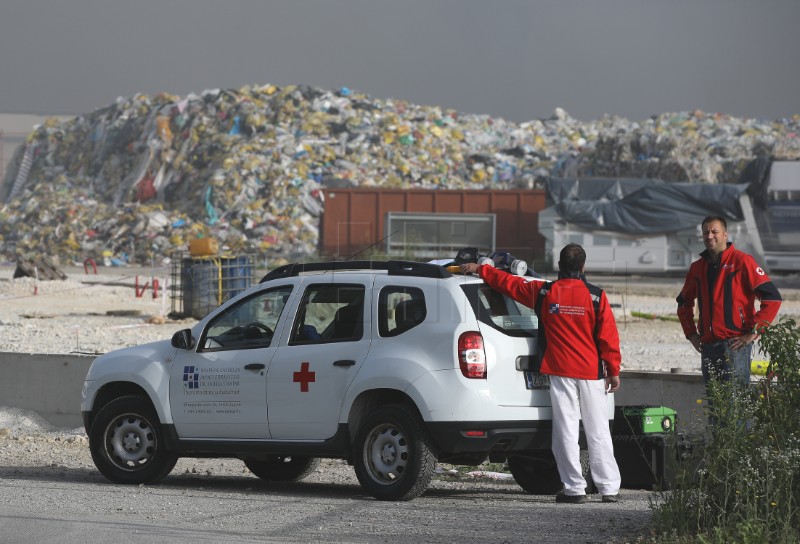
x=132, y=356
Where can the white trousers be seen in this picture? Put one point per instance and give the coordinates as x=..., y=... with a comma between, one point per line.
x=574, y=400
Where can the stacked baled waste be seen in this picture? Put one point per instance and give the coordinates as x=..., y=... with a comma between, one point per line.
x=135, y=181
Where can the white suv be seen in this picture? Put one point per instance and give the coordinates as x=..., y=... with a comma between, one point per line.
x=390, y=365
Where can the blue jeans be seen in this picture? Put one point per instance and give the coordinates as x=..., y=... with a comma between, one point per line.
x=721, y=362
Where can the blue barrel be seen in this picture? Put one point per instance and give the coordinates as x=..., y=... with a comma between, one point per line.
x=202, y=277
x=187, y=292
x=237, y=275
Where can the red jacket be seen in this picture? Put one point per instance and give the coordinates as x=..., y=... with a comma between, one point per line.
x=577, y=339
x=726, y=299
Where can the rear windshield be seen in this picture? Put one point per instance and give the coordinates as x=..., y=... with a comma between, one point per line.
x=500, y=312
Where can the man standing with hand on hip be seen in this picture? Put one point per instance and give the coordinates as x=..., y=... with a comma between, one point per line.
x=725, y=282
x=579, y=350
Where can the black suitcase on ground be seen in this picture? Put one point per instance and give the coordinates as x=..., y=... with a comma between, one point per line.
x=648, y=461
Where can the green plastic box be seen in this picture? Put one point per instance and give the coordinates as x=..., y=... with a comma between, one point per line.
x=633, y=420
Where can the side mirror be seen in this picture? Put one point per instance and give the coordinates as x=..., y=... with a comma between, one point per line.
x=183, y=339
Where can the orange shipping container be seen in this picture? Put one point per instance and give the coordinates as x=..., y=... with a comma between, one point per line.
x=354, y=219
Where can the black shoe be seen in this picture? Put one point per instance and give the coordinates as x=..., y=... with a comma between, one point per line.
x=610, y=498
x=570, y=499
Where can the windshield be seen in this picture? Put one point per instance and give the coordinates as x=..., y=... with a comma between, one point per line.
x=500, y=312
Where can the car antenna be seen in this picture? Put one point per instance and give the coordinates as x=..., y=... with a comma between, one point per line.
x=372, y=245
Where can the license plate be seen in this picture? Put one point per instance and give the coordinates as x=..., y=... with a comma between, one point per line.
x=534, y=380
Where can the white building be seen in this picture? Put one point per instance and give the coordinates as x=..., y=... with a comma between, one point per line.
x=643, y=226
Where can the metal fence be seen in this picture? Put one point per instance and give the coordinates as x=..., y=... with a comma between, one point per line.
x=200, y=284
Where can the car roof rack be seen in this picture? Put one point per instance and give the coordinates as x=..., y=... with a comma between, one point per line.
x=395, y=268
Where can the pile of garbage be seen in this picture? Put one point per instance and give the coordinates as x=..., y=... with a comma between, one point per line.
x=135, y=181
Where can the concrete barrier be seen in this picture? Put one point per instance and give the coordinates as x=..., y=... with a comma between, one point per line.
x=679, y=391
x=50, y=385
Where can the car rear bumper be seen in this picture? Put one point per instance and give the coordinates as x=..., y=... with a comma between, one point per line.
x=489, y=437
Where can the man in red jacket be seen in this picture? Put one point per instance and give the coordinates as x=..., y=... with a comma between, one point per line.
x=725, y=282
x=579, y=350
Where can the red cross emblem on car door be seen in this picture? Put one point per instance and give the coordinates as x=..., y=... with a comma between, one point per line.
x=304, y=377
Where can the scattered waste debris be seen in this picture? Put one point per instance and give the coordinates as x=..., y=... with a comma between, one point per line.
x=137, y=180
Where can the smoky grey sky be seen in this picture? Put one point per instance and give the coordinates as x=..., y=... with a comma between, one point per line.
x=514, y=59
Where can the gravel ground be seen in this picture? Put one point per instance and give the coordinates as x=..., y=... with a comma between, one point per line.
x=51, y=492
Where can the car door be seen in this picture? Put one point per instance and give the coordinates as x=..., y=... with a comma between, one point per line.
x=327, y=344
x=218, y=390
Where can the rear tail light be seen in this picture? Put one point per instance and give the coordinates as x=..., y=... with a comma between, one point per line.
x=471, y=356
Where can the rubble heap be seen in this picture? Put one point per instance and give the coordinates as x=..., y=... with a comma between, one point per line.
x=136, y=180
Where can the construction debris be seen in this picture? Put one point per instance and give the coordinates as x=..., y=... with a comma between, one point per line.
x=38, y=267
x=141, y=178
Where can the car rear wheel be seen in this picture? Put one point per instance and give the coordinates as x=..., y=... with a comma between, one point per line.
x=283, y=468
x=587, y=472
x=393, y=461
x=126, y=442
x=536, y=472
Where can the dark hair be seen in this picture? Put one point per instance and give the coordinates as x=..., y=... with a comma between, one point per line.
x=572, y=258
x=712, y=218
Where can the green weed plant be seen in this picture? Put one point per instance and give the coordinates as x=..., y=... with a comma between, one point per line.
x=740, y=482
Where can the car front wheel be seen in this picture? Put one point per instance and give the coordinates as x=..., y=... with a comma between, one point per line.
x=126, y=442
x=393, y=461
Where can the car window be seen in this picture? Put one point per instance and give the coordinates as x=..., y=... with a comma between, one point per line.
x=400, y=309
x=248, y=324
x=501, y=312
x=329, y=313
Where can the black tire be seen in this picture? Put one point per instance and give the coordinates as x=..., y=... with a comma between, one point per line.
x=127, y=444
x=392, y=459
x=536, y=472
x=587, y=473
x=283, y=468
